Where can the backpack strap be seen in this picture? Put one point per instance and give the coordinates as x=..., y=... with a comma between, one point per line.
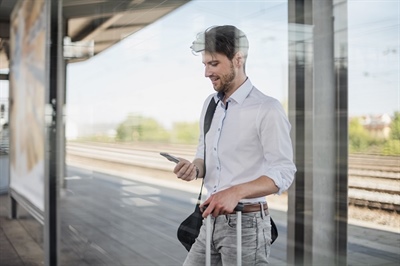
x=207, y=124
x=209, y=115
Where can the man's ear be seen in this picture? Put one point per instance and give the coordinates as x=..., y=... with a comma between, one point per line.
x=239, y=59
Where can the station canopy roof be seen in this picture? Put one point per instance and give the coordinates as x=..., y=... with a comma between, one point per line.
x=97, y=23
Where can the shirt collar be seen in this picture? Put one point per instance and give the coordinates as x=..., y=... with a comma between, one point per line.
x=240, y=94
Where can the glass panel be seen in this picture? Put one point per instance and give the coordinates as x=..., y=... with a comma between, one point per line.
x=4, y=137
x=121, y=203
x=374, y=143
x=373, y=108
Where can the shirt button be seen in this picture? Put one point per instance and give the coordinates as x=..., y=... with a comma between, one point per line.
x=215, y=149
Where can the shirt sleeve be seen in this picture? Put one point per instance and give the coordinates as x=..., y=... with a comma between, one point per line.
x=274, y=133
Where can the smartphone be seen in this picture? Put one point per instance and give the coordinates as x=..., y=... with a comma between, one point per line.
x=170, y=157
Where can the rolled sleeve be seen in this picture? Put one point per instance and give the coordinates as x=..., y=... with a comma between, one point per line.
x=282, y=178
x=274, y=133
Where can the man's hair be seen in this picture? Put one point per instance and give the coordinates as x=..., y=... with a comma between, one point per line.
x=227, y=40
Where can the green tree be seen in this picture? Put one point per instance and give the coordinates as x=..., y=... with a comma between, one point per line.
x=395, y=127
x=151, y=130
x=186, y=133
x=359, y=137
x=125, y=130
x=139, y=128
x=392, y=146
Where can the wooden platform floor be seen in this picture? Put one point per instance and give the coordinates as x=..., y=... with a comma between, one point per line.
x=106, y=220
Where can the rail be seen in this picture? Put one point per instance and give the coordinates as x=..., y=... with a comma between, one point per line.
x=374, y=181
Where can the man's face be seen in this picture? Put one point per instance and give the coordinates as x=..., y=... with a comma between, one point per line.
x=220, y=70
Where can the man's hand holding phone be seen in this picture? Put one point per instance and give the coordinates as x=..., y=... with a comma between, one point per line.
x=184, y=169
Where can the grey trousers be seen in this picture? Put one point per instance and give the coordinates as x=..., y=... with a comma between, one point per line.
x=256, y=241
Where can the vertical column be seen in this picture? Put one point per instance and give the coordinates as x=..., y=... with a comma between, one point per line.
x=62, y=84
x=323, y=166
x=341, y=78
x=54, y=101
x=317, y=213
x=300, y=93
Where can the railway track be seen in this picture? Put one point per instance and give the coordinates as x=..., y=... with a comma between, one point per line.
x=374, y=181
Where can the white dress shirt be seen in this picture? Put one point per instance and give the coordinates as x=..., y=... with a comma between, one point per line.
x=248, y=138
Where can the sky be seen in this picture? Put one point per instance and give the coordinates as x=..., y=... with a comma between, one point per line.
x=374, y=62
x=153, y=72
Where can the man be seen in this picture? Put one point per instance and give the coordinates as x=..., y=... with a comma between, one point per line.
x=248, y=153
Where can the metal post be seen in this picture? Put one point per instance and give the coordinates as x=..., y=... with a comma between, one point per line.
x=13, y=207
x=317, y=214
x=341, y=73
x=300, y=83
x=55, y=101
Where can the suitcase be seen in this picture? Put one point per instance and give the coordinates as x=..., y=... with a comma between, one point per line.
x=238, y=210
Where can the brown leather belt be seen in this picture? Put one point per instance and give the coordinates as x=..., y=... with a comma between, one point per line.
x=254, y=208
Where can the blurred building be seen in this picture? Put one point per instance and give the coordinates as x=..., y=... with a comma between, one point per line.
x=377, y=125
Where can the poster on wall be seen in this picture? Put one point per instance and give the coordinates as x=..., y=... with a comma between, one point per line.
x=27, y=100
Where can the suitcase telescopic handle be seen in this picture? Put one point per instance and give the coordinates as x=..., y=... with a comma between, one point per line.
x=239, y=207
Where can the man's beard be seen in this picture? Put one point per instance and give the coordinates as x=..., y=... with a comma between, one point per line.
x=226, y=81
